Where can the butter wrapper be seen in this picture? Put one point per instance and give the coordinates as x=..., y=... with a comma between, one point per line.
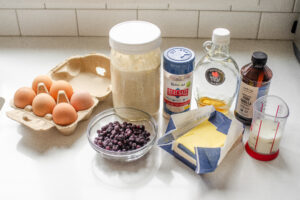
x=206, y=158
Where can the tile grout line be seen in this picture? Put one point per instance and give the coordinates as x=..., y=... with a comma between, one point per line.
x=259, y=23
x=105, y=8
x=198, y=24
x=76, y=17
x=293, y=9
x=18, y=23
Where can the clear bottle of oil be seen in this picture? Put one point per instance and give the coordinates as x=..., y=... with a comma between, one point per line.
x=216, y=77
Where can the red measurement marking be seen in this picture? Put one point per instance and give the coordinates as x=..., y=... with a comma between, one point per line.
x=276, y=129
x=262, y=105
x=274, y=137
x=258, y=134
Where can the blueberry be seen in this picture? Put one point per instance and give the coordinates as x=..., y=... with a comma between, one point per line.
x=105, y=143
x=141, y=141
x=122, y=137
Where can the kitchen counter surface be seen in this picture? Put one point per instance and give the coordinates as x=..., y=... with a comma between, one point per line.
x=50, y=166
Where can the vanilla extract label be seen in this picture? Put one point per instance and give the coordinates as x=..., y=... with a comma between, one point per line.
x=246, y=98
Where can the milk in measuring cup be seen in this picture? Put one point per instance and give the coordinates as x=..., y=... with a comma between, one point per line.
x=267, y=131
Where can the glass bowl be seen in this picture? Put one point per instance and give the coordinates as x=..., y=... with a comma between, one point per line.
x=131, y=115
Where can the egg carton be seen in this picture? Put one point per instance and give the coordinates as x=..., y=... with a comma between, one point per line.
x=89, y=73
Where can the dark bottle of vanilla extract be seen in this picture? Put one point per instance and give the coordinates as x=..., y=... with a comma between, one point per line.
x=255, y=82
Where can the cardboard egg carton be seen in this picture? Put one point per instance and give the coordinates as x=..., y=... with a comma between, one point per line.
x=89, y=73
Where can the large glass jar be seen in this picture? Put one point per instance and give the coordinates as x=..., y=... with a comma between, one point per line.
x=135, y=65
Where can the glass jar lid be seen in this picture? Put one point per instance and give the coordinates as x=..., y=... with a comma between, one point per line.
x=134, y=37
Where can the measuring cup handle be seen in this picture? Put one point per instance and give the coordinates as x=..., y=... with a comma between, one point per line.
x=207, y=46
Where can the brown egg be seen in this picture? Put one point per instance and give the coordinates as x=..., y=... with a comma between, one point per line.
x=41, y=79
x=61, y=85
x=23, y=97
x=43, y=104
x=81, y=101
x=64, y=114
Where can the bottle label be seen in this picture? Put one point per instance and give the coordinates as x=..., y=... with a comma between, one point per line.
x=215, y=76
x=177, y=95
x=247, y=96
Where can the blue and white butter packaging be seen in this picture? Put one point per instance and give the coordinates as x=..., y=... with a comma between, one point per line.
x=204, y=160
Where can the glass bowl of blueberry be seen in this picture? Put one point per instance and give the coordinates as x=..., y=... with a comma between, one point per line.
x=123, y=134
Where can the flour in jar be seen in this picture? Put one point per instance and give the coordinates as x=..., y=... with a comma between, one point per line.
x=136, y=80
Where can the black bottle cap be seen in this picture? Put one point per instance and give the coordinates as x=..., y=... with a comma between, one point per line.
x=259, y=58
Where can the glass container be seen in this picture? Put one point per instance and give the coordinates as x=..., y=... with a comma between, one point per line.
x=216, y=78
x=270, y=114
x=135, y=65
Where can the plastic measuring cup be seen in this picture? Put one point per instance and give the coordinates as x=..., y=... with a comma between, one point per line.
x=269, y=117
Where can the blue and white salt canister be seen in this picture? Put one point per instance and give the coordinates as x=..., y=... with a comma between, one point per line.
x=178, y=78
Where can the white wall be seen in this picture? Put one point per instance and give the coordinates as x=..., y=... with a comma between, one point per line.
x=250, y=19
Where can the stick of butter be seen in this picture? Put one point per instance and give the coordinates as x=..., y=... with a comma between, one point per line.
x=205, y=145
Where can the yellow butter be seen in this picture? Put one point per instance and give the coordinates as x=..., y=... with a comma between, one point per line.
x=203, y=135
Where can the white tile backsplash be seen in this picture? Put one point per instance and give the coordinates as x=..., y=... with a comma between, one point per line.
x=85, y=4
x=240, y=24
x=245, y=5
x=172, y=23
x=200, y=4
x=277, y=5
x=277, y=26
x=22, y=4
x=176, y=18
x=122, y=4
x=99, y=22
x=47, y=22
x=153, y=4
x=137, y=4
x=8, y=23
x=263, y=5
x=297, y=6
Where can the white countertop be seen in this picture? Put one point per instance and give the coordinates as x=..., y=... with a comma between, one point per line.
x=48, y=165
